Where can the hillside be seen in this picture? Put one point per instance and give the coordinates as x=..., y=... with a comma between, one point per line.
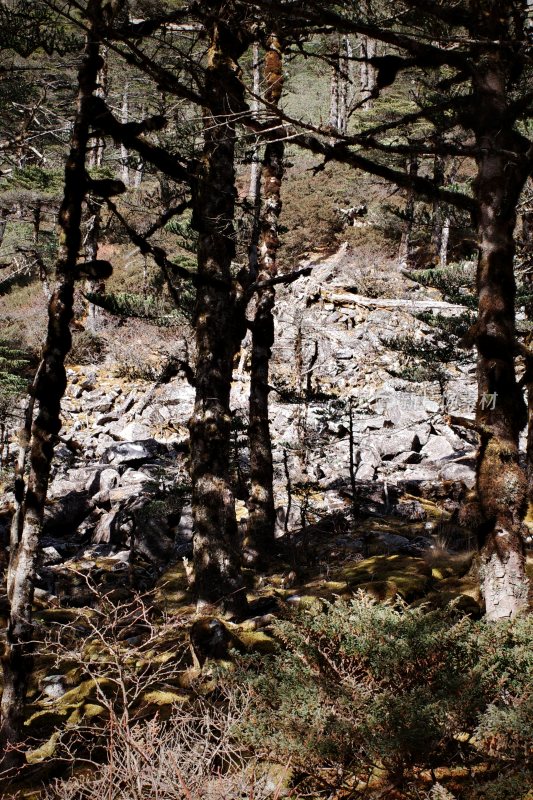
x=266, y=400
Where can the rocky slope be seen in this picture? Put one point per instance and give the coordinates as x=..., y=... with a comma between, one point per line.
x=119, y=501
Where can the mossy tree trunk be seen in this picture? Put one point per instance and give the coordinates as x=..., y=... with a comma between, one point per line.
x=17, y=660
x=501, y=412
x=220, y=326
x=262, y=517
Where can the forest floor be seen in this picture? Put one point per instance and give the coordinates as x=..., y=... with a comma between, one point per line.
x=113, y=605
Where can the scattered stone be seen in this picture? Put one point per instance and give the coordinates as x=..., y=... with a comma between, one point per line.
x=133, y=432
x=50, y=555
x=437, y=448
x=127, y=452
x=106, y=528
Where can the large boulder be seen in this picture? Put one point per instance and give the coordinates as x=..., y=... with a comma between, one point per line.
x=131, y=452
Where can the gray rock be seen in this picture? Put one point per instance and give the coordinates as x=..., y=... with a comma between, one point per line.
x=437, y=448
x=63, y=485
x=459, y=472
x=125, y=452
x=103, y=404
x=89, y=382
x=135, y=476
x=456, y=442
x=53, y=687
x=104, y=419
x=409, y=457
x=104, y=533
x=120, y=494
x=109, y=478
x=133, y=432
x=396, y=442
x=366, y=472
x=50, y=555
x=126, y=404
x=382, y=543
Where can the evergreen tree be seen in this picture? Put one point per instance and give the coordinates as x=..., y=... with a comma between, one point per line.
x=483, y=90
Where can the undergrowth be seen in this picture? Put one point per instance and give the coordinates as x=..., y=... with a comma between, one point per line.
x=357, y=701
x=361, y=697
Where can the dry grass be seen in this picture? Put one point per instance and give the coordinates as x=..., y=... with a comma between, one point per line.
x=192, y=756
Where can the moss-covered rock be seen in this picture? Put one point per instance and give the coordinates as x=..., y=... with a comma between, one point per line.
x=384, y=577
x=66, y=616
x=163, y=697
x=257, y=641
x=45, y=751
x=172, y=590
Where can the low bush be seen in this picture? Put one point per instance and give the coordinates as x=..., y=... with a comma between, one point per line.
x=361, y=694
x=87, y=348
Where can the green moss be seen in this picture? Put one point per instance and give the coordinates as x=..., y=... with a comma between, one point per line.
x=311, y=603
x=160, y=697
x=257, y=641
x=382, y=568
x=45, y=751
x=172, y=591
x=467, y=585
x=325, y=588
x=383, y=577
x=85, y=690
x=66, y=616
x=462, y=602
x=46, y=719
x=91, y=710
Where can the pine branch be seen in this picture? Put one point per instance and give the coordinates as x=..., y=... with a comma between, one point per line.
x=128, y=134
x=319, y=14
x=158, y=254
x=422, y=186
x=286, y=279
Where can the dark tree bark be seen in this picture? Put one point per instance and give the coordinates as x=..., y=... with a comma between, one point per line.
x=219, y=322
x=95, y=156
x=17, y=660
x=262, y=517
x=501, y=411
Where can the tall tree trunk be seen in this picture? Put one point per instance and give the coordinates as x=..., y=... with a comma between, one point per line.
x=3, y=223
x=501, y=411
x=94, y=213
x=255, y=172
x=124, y=116
x=17, y=660
x=334, y=91
x=95, y=156
x=444, y=240
x=340, y=86
x=368, y=74
x=219, y=329
x=409, y=216
x=439, y=211
x=262, y=518
x=443, y=174
x=254, y=190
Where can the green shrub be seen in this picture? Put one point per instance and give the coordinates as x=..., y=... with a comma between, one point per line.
x=13, y=365
x=359, y=685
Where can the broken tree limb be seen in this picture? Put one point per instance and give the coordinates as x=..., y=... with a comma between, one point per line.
x=412, y=306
